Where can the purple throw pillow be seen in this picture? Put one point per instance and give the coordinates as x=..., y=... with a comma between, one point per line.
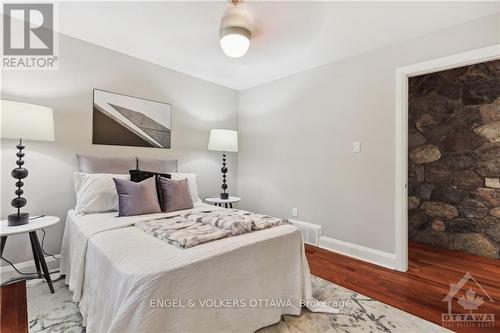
x=175, y=194
x=137, y=198
x=139, y=175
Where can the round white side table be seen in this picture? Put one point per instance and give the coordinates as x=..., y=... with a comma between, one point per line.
x=31, y=228
x=228, y=203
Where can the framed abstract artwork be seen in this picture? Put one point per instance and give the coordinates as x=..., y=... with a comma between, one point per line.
x=130, y=121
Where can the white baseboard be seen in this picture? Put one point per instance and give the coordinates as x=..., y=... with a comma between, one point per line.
x=8, y=273
x=360, y=252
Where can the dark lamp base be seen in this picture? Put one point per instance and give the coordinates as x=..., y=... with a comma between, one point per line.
x=224, y=196
x=15, y=219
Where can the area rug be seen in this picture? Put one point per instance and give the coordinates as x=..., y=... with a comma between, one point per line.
x=56, y=313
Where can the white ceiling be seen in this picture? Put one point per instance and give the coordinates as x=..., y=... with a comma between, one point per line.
x=290, y=36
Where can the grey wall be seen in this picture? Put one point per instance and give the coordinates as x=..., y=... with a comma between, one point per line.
x=296, y=137
x=197, y=106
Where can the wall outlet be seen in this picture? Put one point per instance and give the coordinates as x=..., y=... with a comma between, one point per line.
x=356, y=147
x=295, y=212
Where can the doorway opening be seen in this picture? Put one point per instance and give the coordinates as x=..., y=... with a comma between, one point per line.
x=437, y=131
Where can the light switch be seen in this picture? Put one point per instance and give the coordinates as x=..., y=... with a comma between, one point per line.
x=356, y=147
x=295, y=212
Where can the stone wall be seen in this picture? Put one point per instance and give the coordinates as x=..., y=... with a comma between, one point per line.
x=454, y=159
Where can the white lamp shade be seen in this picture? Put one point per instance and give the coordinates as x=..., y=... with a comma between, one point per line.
x=223, y=140
x=26, y=121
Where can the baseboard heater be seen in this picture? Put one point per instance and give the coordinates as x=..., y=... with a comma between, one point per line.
x=310, y=232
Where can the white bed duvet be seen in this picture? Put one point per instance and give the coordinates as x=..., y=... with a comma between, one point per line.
x=129, y=281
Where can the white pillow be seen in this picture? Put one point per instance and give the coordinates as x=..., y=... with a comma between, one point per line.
x=96, y=192
x=191, y=177
x=77, y=180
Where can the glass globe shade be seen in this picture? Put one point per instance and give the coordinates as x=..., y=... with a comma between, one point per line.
x=235, y=45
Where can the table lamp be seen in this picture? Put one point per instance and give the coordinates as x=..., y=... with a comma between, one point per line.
x=225, y=141
x=24, y=121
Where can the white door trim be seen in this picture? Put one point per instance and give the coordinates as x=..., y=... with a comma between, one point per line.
x=401, y=138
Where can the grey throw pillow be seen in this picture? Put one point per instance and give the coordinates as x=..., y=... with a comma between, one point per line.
x=137, y=198
x=175, y=194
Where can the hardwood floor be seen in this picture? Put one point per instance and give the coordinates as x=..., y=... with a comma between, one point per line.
x=13, y=310
x=421, y=290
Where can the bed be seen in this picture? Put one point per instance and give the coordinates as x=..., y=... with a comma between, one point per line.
x=126, y=280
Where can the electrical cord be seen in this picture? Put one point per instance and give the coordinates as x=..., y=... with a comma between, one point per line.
x=17, y=269
x=22, y=278
x=47, y=254
x=34, y=275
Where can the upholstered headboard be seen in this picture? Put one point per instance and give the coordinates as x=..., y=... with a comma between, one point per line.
x=95, y=164
x=156, y=165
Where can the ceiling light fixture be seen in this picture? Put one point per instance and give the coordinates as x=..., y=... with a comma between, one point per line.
x=235, y=31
